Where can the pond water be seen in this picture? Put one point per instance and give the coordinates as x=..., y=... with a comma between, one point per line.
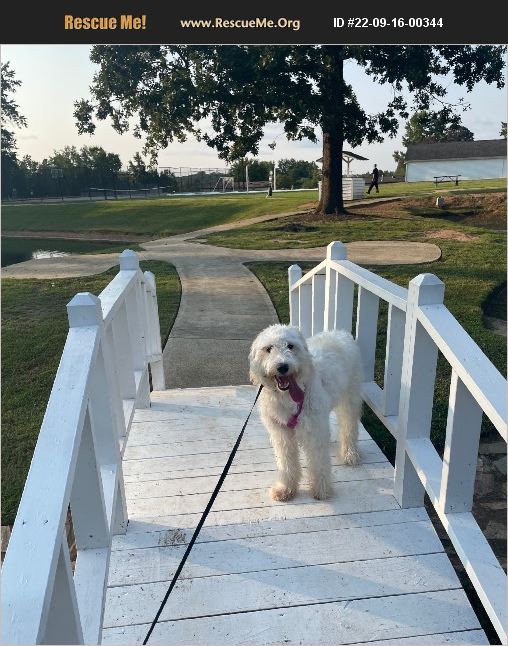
x=16, y=250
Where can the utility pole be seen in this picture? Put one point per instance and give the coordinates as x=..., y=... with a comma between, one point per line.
x=247, y=176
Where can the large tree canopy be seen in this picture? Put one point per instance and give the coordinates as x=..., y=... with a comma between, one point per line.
x=225, y=95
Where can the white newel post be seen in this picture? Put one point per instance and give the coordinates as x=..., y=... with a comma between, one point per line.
x=134, y=304
x=294, y=275
x=97, y=498
x=335, y=251
x=156, y=364
x=417, y=387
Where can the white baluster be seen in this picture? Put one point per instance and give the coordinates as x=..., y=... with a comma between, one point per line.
x=461, y=449
x=305, y=309
x=417, y=387
x=62, y=622
x=393, y=360
x=366, y=330
x=88, y=510
x=123, y=353
x=318, y=302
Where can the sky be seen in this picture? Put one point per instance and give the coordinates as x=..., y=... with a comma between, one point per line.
x=54, y=76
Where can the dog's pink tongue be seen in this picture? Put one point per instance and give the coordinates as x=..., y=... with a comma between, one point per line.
x=295, y=392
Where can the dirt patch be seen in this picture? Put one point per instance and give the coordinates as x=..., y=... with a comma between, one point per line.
x=76, y=235
x=474, y=209
x=452, y=234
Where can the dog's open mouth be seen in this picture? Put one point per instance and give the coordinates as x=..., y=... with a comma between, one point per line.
x=289, y=383
x=282, y=382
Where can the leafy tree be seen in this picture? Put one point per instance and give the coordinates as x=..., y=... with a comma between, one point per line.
x=137, y=169
x=10, y=116
x=225, y=95
x=297, y=173
x=503, y=130
x=399, y=157
x=430, y=127
x=68, y=157
x=259, y=171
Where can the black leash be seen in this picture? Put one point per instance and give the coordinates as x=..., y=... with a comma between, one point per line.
x=201, y=521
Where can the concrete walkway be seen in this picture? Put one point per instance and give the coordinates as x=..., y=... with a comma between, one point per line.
x=223, y=304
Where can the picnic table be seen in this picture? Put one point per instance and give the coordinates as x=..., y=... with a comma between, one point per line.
x=446, y=178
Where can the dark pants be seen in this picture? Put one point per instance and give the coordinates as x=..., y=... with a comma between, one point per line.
x=372, y=184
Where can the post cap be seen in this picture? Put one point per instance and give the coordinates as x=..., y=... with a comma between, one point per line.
x=294, y=273
x=336, y=251
x=149, y=278
x=84, y=310
x=129, y=260
x=427, y=289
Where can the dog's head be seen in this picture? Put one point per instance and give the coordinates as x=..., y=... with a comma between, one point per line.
x=278, y=356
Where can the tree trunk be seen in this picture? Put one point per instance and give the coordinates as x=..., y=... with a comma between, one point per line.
x=331, y=187
x=332, y=92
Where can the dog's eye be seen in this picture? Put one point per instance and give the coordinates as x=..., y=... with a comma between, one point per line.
x=290, y=346
x=269, y=348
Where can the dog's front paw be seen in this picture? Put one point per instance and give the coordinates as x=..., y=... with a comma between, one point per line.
x=321, y=490
x=350, y=455
x=281, y=493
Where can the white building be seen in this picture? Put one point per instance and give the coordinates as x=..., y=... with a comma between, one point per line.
x=485, y=159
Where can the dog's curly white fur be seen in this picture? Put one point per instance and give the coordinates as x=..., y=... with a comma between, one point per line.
x=327, y=368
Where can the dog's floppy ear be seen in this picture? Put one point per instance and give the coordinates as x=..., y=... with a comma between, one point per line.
x=252, y=375
x=254, y=379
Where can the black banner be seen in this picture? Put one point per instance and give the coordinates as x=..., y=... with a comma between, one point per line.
x=250, y=23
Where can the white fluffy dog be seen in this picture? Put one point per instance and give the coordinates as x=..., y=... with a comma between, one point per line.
x=302, y=383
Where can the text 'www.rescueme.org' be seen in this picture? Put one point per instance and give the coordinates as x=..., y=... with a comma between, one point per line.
x=241, y=23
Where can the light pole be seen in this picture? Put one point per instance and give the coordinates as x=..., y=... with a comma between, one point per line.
x=247, y=176
x=274, y=176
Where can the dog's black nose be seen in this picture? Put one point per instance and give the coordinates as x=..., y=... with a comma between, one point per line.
x=282, y=368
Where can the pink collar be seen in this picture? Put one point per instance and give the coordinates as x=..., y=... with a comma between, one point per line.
x=293, y=420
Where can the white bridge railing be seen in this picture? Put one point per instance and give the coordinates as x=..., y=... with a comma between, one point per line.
x=102, y=378
x=419, y=326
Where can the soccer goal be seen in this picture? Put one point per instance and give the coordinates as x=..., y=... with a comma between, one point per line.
x=225, y=184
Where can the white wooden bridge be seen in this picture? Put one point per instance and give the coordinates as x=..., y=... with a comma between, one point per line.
x=137, y=468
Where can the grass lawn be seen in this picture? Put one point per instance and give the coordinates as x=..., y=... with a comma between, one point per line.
x=406, y=219
x=34, y=329
x=143, y=217
x=171, y=215
x=403, y=188
x=473, y=269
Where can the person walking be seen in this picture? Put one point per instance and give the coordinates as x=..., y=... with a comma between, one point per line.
x=375, y=179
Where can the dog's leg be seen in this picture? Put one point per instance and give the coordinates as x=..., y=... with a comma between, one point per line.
x=316, y=445
x=288, y=462
x=348, y=415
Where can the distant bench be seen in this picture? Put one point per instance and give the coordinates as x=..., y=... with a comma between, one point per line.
x=446, y=178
